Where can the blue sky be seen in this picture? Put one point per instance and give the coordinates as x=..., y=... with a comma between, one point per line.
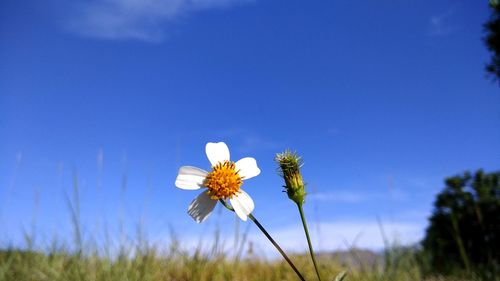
x=383, y=99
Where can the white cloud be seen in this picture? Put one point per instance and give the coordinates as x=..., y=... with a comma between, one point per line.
x=330, y=236
x=343, y=234
x=135, y=19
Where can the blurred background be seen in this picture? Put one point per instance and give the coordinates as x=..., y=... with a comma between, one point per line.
x=102, y=101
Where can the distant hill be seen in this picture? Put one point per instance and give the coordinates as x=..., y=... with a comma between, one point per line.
x=354, y=258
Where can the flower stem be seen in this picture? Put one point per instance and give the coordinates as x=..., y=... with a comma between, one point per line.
x=275, y=244
x=311, y=251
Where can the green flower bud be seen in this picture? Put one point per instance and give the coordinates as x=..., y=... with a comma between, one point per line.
x=289, y=168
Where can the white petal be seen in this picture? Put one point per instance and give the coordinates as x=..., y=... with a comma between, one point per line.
x=191, y=178
x=201, y=207
x=217, y=152
x=242, y=204
x=247, y=167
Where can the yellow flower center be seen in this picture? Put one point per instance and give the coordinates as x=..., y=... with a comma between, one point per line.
x=223, y=181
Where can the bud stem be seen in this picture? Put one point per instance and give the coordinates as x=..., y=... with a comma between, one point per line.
x=311, y=251
x=275, y=244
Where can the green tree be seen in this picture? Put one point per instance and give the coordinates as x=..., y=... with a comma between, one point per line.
x=492, y=40
x=464, y=230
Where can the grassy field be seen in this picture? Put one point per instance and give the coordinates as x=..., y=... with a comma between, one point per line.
x=146, y=263
x=138, y=259
x=84, y=259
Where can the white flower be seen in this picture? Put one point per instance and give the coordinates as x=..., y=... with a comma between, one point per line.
x=222, y=182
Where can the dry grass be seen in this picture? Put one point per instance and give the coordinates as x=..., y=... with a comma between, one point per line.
x=148, y=265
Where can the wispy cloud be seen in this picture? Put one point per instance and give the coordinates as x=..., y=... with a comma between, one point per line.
x=254, y=142
x=339, y=197
x=145, y=20
x=440, y=24
x=356, y=197
x=245, y=140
